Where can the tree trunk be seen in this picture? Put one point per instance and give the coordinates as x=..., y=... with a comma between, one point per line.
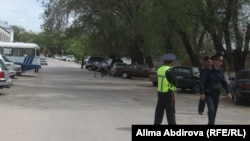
x=189, y=50
x=149, y=61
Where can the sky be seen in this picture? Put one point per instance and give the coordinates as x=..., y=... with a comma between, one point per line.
x=23, y=13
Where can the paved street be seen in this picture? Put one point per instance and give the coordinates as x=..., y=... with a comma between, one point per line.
x=65, y=103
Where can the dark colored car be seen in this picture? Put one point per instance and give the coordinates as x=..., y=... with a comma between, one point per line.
x=89, y=62
x=240, y=87
x=133, y=70
x=187, y=77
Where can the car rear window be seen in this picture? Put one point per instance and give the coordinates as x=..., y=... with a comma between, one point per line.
x=187, y=71
x=182, y=71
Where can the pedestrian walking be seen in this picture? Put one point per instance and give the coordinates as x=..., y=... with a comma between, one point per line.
x=95, y=66
x=166, y=91
x=207, y=62
x=82, y=63
x=211, y=81
x=103, y=67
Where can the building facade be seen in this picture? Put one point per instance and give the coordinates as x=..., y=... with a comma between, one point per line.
x=6, y=32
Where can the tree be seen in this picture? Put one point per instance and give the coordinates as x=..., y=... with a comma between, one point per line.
x=221, y=20
x=144, y=29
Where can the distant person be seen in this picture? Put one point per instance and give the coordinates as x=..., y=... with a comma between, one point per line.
x=211, y=81
x=95, y=66
x=166, y=91
x=103, y=67
x=207, y=62
x=82, y=65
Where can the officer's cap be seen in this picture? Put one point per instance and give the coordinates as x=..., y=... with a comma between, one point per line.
x=168, y=56
x=207, y=57
x=218, y=55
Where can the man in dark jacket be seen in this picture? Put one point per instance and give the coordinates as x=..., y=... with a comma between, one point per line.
x=211, y=82
x=207, y=61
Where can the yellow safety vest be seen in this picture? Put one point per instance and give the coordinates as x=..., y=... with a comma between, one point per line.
x=163, y=84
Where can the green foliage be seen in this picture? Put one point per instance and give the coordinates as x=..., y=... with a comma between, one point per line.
x=142, y=28
x=74, y=46
x=21, y=35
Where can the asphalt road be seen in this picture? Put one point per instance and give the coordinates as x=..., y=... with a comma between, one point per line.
x=65, y=103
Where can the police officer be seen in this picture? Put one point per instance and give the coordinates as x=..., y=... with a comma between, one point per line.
x=166, y=91
x=211, y=82
x=207, y=61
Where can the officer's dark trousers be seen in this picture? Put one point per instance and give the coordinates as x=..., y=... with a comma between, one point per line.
x=212, y=106
x=165, y=102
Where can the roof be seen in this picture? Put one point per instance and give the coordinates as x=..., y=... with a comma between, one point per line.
x=4, y=24
x=18, y=45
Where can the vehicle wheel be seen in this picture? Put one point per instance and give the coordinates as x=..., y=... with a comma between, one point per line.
x=236, y=99
x=125, y=75
x=195, y=89
x=154, y=84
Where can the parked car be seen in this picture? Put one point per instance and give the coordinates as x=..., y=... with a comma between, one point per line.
x=5, y=80
x=89, y=63
x=187, y=77
x=62, y=58
x=133, y=70
x=10, y=65
x=240, y=87
x=70, y=58
x=17, y=67
x=111, y=62
x=113, y=69
x=43, y=61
